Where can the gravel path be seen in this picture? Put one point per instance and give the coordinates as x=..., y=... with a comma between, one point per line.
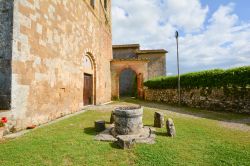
x=238, y=124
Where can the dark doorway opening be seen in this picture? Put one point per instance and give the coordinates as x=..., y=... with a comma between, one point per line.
x=6, y=36
x=88, y=89
x=128, y=83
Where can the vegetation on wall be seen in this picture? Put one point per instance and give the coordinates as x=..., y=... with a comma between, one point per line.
x=134, y=92
x=236, y=77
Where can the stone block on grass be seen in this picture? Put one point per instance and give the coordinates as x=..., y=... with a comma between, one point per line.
x=170, y=128
x=125, y=142
x=100, y=125
x=158, y=119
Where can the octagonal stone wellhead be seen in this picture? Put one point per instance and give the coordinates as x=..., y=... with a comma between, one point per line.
x=128, y=120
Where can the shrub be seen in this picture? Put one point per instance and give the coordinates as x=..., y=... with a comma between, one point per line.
x=236, y=77
x=3, y=121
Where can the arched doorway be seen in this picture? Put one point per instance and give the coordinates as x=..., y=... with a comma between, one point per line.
x=89, y=80
x=128, y=83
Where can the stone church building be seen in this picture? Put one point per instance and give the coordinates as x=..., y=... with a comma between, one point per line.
x=56, y=57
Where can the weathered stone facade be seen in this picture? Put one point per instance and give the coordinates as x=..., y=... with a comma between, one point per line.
x=51, y=40
x=125, y=51
x=218, y=99
x=56, y=57
x=157, y=62
x=146, y=64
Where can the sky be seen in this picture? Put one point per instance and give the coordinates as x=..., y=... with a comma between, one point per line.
x=213, y=33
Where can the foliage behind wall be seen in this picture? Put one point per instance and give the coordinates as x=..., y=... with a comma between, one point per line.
x=236, y=77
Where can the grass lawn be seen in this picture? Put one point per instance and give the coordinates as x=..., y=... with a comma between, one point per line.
x=199, y=141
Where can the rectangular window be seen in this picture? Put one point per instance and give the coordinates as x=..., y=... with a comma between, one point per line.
x=92, y=3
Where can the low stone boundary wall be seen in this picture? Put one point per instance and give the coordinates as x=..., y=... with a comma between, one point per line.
x=218, y=99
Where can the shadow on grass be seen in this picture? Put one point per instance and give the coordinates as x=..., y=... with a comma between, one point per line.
x=164, y=134
x=148, y=125
x=114, y=145
x=90, y=131
x=106, y=122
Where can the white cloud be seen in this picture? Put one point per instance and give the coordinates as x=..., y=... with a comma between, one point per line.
x=186, y=14
x=221, y=42
x=135, y=20
x=224, y=43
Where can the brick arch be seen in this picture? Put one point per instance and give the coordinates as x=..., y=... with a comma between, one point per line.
x=92, y=59
x=139, y=76
x=139, y=67
x=125, y=68
x=89, y=53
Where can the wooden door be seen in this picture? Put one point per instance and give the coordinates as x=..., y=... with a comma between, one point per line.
x=88, y=89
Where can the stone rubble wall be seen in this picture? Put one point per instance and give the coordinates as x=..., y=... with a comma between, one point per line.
x=217, y=99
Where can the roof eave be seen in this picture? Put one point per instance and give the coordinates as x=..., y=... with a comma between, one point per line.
x=126, y=46
x=160, y=51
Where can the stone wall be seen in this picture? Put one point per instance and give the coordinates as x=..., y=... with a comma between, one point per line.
x=125, y=53
x=218, y=99
x=6, y=32
x=157, y=58
x=50, y=40
x=156, y=65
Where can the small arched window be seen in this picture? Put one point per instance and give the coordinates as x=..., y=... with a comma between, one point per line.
x=92, y=3
x=105, y=4
x=87, y=63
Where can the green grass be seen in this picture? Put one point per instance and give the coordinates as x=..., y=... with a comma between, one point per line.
x=199, y=141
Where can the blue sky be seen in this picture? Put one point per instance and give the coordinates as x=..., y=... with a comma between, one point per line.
x=242, y=7
x=213, y=33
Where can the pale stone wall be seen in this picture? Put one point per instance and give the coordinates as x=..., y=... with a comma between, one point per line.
x=6, y=31
x=218, y=99
x=157, y=64
x=50, y=40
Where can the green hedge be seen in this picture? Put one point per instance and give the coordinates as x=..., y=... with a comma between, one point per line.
x=236, y=77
